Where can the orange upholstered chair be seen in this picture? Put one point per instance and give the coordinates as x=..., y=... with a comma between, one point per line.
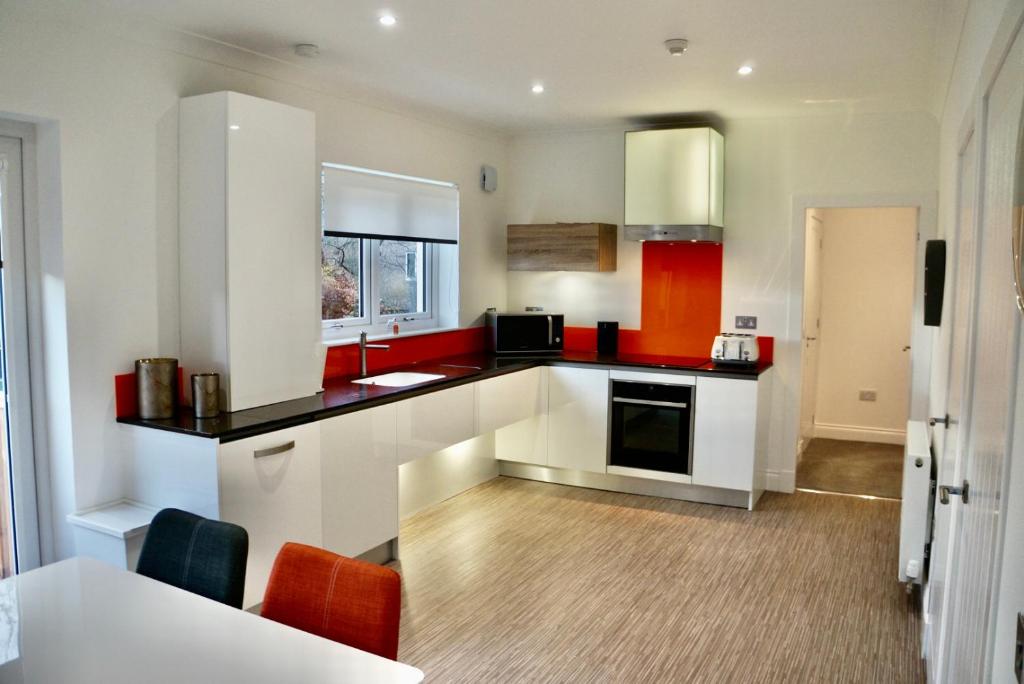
x=349, y=601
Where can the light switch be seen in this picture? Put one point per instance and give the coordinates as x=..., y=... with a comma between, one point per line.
x=746, y=322
x=869, y=395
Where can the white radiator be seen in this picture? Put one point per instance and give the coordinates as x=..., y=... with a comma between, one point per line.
x=916, y=512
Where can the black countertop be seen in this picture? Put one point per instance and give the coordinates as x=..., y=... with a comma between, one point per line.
x=341, y=395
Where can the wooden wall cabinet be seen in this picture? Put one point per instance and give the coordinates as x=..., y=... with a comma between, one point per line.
x=562, y=247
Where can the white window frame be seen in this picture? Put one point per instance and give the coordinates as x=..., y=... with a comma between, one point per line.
x=372, y=322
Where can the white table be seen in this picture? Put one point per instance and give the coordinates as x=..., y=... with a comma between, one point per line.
x=81, y=620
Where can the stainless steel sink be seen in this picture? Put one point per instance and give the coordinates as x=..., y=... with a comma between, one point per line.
x=398, y=379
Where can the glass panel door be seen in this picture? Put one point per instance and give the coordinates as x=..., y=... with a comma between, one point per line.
x=19, y=530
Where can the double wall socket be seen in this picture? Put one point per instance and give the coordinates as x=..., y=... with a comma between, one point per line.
x=869, y=395
x=746, y=322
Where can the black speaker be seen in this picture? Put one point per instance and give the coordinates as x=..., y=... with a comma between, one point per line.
x=608, y=337
x=934, y=280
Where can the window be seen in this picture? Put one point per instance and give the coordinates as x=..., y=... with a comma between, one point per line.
x=389, y=243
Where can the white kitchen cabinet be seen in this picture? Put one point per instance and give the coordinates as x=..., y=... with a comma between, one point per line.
x=270, y=485
x=523, y=442
x=511, y=398
x=578, y=418
x=435, y=421
x=360, y=480
x=249, y=247
x=725, y=433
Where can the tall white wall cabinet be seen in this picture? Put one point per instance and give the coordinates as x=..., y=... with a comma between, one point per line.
x=249, y=244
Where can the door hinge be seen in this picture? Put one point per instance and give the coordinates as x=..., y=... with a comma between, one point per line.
x=964, y=492
x=944, y=421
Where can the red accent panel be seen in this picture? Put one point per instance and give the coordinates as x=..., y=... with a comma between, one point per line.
x=580, y=339
x=126, y=398
x=344, y=360
x=766, y=349
x=349, y=601
x=681, y=300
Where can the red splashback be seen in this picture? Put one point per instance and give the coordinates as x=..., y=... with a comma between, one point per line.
x=681, y=299
x=681, y=305
x=344, y=360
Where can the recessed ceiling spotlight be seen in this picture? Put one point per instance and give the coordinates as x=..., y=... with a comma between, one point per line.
x=537, y=88
x=234, y=127
x=307, y=50
x=677, y=46
x=745, y=70
x=388, y=20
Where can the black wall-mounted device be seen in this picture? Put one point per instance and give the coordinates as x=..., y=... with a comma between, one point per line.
x=934, y=280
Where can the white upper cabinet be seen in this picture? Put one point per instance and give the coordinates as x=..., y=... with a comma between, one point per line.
x=675, y=177
x=510, y=398
x=435, y=421
x=249, y=247
x=578, y=418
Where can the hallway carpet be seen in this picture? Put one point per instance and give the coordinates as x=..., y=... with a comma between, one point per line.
x=521, y=581
x=833, y=465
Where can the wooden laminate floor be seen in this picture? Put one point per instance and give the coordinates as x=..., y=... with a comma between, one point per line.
x=526, y=581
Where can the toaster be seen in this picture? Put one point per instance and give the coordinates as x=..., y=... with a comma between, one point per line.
x=735, y=348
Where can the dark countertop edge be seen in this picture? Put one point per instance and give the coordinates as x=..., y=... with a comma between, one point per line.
x=400, y=394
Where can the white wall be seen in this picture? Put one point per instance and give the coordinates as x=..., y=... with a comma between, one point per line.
x=571, y=177
x=769, y=162
x=867, y=297
x=113, y=100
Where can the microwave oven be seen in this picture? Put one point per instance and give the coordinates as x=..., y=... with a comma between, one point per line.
x=533, y=332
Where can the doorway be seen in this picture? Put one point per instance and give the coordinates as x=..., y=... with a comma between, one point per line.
x=857, y=317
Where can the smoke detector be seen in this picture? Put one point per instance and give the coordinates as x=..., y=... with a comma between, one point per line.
x=677, y=46
x=307, y=50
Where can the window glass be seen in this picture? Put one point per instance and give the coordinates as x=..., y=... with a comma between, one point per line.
x=342, y=265
x=401, y=277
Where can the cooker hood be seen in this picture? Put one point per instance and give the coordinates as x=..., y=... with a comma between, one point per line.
x=675, y=181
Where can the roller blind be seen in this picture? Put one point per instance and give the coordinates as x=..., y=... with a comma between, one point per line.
x=373, y=204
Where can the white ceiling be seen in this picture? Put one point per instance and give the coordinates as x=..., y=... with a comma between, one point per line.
x=600, y=60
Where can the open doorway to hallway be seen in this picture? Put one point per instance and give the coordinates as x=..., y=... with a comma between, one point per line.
x=857, y=326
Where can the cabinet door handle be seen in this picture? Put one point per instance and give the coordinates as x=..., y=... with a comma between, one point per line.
x=270, y=451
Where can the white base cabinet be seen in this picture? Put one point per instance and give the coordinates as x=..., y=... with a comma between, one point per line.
x=435, y=421
x=270, y=485
x=360, y=479
x=578, y=418
x=510, y=398
x=724, y=433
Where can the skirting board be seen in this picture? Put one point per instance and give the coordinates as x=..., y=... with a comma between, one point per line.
x=628, y=485
x=854, y=433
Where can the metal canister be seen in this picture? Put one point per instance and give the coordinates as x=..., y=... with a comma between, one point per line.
x=156, y=384
x=206, y=394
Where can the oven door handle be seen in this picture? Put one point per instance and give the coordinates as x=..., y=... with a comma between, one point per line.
x=648, y=402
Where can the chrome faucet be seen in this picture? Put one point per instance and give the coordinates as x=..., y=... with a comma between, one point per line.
x=363, y=346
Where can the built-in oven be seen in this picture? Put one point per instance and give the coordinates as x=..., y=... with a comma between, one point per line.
x=652, y=426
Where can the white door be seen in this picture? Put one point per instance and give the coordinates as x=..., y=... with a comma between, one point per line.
x=810, y=327
x=19, y=531
x=960, y=289
x=991, y=397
